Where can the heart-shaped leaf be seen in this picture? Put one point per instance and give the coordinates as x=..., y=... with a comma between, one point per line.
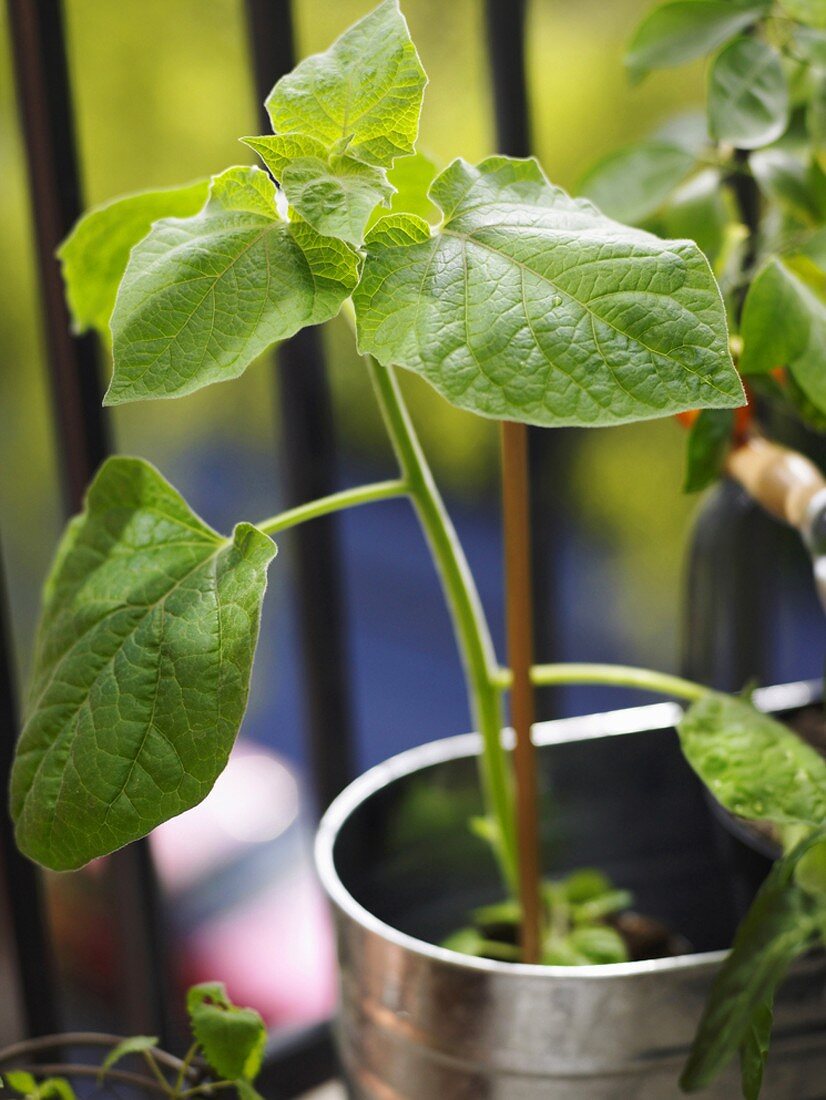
x=365, y=91
x=748, y=95
x=529, y=305
x=203, y=296
x=141, y=671
x=232, y=1038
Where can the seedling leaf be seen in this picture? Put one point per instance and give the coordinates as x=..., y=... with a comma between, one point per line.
x=231, y=1038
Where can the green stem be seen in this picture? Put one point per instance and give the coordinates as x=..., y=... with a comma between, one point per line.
x=470, y=625
x=336, y=502
x=618, y=675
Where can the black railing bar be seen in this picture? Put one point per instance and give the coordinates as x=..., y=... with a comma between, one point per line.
x=45, y=104
x=310, y=464
x=31, y=952
x=547, y=450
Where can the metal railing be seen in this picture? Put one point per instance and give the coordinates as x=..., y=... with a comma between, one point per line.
x=722, y=623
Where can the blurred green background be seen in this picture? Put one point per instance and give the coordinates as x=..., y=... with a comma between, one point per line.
x=163, y=91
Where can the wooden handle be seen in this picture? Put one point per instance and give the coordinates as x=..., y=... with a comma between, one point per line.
x=781, y=481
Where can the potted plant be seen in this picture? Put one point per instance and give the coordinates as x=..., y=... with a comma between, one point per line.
x=524, y=305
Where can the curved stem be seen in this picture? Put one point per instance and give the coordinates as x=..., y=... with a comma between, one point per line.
x=79, y=1039
x=470, y=625
x=72, y=1069
x=660, y=683
x=336, y=502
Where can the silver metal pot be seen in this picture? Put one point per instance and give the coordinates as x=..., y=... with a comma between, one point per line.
x=402, y=870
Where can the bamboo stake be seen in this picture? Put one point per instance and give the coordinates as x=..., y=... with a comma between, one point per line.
x=519, y=607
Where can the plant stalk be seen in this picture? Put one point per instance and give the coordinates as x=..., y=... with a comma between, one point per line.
x=628, y=676
x=470, y=625
x=519, y=608
x=336, y=502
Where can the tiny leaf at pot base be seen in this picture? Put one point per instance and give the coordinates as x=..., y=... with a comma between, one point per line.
x=784, y=324
x=676, y=32
x=529, y=305
x=780, y=926
x=754, y=1050
x=203, y=296
x=232, y=1038
x=752, y=764
x=364, y=92
x=141, y=671
x=708, y=445
x=748, y=97
x=95, y=254
x=633, y=183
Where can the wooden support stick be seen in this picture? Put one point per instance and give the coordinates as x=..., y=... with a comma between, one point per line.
x=519, y=605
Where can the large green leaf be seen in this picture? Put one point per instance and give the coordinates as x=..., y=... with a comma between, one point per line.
x=142, y=668
x=335, y=193
x=780, y=925
x=784, y=324
x=529, y=305
x=231, y=1038
x=364, y=92
x=95, y=254
x=684, y=29
x=633, y=183
x=752, y=764
x=203, y=296
x=748, y=96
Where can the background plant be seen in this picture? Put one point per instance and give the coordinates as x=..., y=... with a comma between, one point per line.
x=226, y=1052
x=521, y=304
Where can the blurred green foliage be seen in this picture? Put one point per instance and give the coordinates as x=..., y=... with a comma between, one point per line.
x=162, y=91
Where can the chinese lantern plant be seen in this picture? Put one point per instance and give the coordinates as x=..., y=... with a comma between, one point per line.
x=521, y=304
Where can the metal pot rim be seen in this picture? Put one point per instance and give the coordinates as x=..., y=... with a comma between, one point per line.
x=607, y=724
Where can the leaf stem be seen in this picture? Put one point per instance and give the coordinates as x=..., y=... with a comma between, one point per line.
x=184, y=1067
x=336, y=502
x=660, y=683
x=470, y=625
x=78, y=1039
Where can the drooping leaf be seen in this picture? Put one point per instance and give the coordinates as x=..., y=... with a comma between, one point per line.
x=335, y=193
x=364, y=92
x=780, y=925
x=633, y=183
x=203, y=296
x=95, y=254
x=708, y=444
x=754, y=1050
x=232, y=1038
x=135, y=1044
x=811, y=13
x=753, y=765
x=784, y=324
x=529, y=305
x=680, y=31
x=748, y=96
x=141, y=671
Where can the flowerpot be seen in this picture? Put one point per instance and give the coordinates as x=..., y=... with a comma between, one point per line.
x=402, y=870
